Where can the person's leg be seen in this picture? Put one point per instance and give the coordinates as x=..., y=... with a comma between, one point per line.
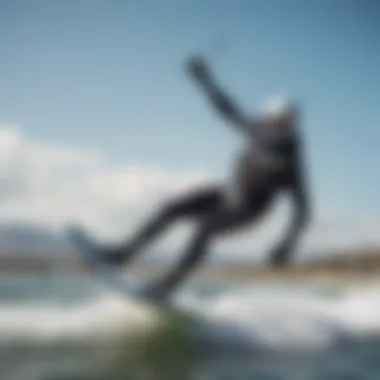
x=191, y=205
x=222, y=220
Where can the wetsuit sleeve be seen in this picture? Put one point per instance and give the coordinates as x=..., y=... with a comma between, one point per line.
x=301, y=205
x=299, y=195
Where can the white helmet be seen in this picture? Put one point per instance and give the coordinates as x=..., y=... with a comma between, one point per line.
x=280, y=106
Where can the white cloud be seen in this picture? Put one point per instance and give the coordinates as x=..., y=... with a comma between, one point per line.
x=49, y=184
x=52, y=185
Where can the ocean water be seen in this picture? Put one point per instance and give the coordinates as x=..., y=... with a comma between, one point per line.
x=73, y=327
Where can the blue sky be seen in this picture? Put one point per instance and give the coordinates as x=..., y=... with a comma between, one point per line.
x=107, y=75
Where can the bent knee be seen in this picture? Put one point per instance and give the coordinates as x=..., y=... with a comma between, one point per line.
x=226, y=222
x=188, y=207
x=176, y=209
x=169, y=210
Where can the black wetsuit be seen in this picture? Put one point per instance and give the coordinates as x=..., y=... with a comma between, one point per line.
x=272, y=163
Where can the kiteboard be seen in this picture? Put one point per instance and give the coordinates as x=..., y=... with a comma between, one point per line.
x=111, y=275
x=179, y=326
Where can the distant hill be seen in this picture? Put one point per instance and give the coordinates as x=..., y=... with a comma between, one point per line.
x=28, y=242
x=27, y=239
x=34, y=248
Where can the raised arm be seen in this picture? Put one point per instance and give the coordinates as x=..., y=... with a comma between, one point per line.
x=198, y=70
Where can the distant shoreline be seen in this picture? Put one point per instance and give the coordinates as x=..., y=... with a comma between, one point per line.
x=363, y=266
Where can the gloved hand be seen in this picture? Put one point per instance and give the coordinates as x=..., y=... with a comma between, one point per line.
x=280, y=255
x=197, y=67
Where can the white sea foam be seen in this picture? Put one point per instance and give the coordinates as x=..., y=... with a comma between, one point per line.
x=255, y=318
x=248, y=318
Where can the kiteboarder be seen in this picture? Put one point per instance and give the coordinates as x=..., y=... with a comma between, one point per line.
x=271, y=163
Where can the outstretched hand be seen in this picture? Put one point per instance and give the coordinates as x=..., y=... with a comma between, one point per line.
x=197, y=67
